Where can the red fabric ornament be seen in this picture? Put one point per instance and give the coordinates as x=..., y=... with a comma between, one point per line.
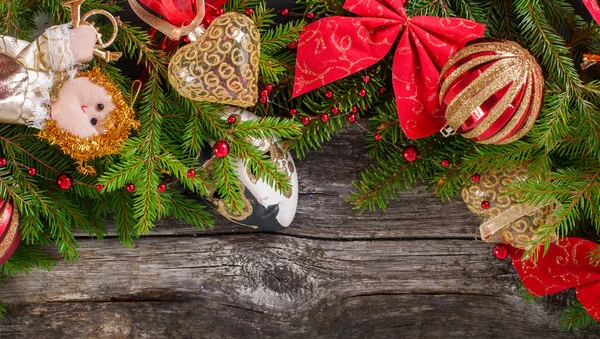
x=592, y=6
x=334, y=47
x=221, y=149
x=9, y=230
x=64, y=181
x=177, y=12
x=565, y=265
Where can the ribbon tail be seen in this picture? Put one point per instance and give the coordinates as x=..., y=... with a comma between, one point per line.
x=335, y=47
x=594, y=8
x=415, y=81
x=589, y=296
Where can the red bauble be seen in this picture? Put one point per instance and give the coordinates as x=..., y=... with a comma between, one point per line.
x=410, y=153
x=381, y=90
x=377, y=136
x=221, y=149
x=352, y=117
x=263, y=99
x=366, y=79
x=491, y=112
x=269, y=87
x=64, y=181
x=249, y=11
x=232, y=119
x=362, y=93
x=2, y=162
x=500, y=251
x=445, y=162
x=310, y=16
x=305, y=120
x=191, y=174
x=324, y=117
x=264, y=93
x=329, y=94
x=285, y=12
x=32, y=171
x=476, y=177
x=485, y=204
x=335, y=110
x=354, y=109
x=130, y=187
x=99, y=187
x=162, y=187
x=220, y=11
x=10, y=236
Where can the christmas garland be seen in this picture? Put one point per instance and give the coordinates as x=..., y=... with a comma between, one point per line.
x=229, y=88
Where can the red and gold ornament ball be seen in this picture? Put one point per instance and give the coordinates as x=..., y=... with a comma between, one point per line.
x=492, y=91
x=9, y=230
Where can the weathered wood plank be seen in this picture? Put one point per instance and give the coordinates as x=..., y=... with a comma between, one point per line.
x=275, y=286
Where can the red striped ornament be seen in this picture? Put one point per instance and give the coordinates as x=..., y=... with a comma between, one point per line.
x=492, y=91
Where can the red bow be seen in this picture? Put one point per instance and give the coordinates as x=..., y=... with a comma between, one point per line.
x=565, y=265
x=592, y=6
x=335, y=47
x=177, y=12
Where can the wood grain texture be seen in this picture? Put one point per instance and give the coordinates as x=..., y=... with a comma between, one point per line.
x=413, y=272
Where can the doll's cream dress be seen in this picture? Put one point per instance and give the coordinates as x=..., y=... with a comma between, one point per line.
x=28, y=72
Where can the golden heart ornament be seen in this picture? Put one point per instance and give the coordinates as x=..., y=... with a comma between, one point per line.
x=222, y=65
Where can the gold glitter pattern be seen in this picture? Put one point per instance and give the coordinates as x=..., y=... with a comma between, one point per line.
x=511, y=65
x=524, y=219
x=12, y=232
x=118, y=124
x=222, y=66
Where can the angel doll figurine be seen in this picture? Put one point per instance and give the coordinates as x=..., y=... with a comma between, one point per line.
x=41, y=86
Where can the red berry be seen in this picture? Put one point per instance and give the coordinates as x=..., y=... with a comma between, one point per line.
x=220, y=11
x=381, y=90
x=335, y=110
x=64, y=181
x=99, y=187
x=31, y=171
x=310, y=16
x=162, y=187
x=249, y=11
x=377, y=136
x=264, y=93
x=285, y=12
x=354, y=109
x=476, y=177
x=232, y=119
x=130, y=187
x=207, y=22
x=293, y=111
x=485, y=204
x=362, y=93
x=292, y=45
x=366, y=79
x=263, y=99
x=191, y=173
x=269, y=87
x=305, y=120
x=352, y=117
x=445, y=162
x=410, y=153
x=329, y=94
x=500, y=251
x=2, y=162
x=221, y=149
x=324, y=117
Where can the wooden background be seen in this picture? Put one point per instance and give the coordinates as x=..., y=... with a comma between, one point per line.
x=414, y=271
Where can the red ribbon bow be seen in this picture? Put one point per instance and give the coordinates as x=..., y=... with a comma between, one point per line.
x=177, y=12
x=565, y=265
x=335, y=47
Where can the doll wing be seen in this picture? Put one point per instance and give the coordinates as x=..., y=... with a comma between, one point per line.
x=12, y=46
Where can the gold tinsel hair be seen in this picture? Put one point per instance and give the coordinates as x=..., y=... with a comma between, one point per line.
x=117, y=125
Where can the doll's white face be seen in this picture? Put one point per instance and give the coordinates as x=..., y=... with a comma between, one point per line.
x=264, y=194
x=81, y=107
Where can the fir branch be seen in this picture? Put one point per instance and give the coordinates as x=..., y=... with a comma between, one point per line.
x=576, y=317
